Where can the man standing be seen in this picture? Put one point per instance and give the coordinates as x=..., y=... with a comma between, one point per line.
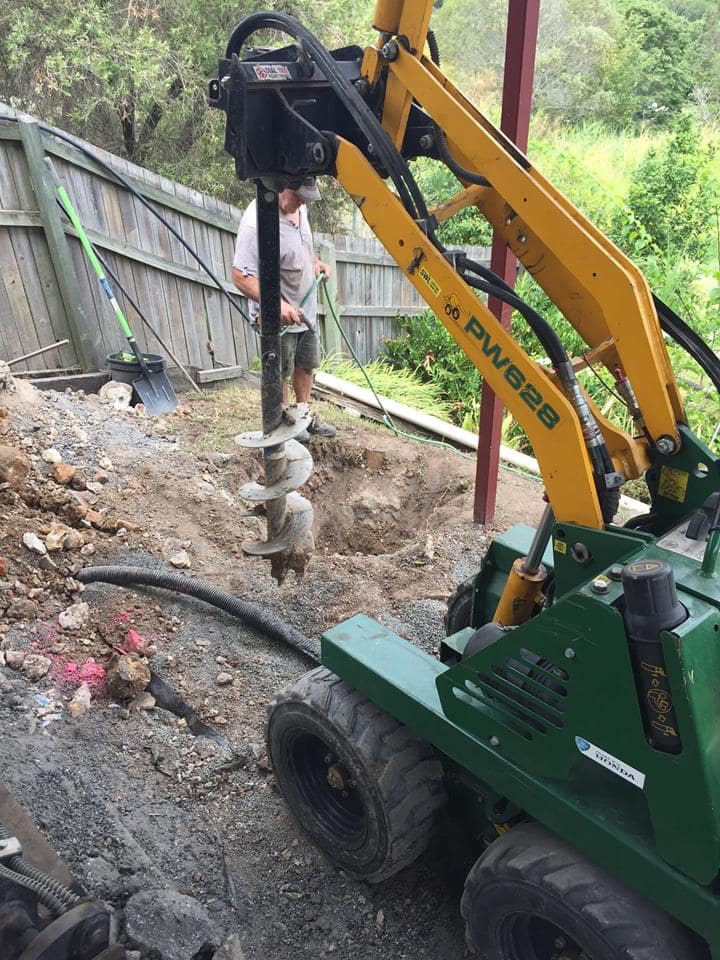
x=299, y=268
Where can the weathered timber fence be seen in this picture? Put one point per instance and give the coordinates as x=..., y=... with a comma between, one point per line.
x=48, y=291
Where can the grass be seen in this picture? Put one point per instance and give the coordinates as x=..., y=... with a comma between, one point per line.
x=222, y=415
x=399, y=385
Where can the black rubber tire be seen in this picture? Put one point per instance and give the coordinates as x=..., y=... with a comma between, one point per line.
x=395, y=789
x=458, y=614
x=529, y=882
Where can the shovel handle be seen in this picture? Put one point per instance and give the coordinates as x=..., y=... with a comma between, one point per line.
x=72, y=216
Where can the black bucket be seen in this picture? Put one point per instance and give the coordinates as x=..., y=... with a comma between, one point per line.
x=127, y=371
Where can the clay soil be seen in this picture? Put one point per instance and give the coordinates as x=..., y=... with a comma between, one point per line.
x=125, y=793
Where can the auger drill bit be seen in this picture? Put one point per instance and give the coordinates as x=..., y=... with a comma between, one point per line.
x=287, y=463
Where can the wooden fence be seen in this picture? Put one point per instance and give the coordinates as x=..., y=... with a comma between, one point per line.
x=49, y=291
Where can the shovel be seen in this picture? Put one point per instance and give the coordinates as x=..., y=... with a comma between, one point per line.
x=153, y=387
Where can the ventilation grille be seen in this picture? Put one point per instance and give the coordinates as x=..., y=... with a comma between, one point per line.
x=530, y=691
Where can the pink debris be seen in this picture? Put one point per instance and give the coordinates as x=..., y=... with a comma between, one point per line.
x=133, y=642
x=89, y=672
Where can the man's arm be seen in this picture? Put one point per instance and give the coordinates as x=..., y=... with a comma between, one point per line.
x=249, y=285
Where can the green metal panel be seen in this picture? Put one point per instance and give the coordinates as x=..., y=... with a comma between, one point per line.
x=601, y=814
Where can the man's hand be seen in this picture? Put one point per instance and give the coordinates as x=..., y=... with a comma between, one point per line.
x=322, y=268
x=289, y=315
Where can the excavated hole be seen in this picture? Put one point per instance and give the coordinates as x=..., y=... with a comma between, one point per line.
x=367, y=503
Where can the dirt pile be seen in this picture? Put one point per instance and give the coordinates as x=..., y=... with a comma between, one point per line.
x=127, y=794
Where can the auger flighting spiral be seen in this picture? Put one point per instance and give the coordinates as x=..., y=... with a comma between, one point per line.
x=288, y=464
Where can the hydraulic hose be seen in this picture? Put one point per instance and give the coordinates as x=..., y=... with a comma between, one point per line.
x=50, y=892
x=264, y=621
x=597, y=448
x=690, y=341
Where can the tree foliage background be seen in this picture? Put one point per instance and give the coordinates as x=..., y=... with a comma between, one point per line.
x=626, y=108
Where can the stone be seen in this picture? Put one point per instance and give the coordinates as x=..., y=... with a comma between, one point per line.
x=80, y=703
x=21, y=608
x=45, y=563
x=56, y=537
x=128, y=677
x=14, y=467
x=73, y=540
x=102, y=877
x=15, y=658
x=4, y=420
x=102, y=476
x=35, y=666
x=181, y=560
x=33, y=542
x=175, y=926
x=75, y=616
x=224, y=679
x=116, y=393
x=62, y=473
x=51, y=455
x=93, y=486
x=143, y=701
x=230, y=950
x=3, y=567
x=88, y=550
x=105, y=463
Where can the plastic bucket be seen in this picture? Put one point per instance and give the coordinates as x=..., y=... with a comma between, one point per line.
x=126, y=371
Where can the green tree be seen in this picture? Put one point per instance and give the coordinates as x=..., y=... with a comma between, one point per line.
x=647, y=75
x=673, y=200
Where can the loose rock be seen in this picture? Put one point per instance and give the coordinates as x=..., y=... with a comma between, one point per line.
x=224, y=679
x=75, y=616
x=14, y=467
x=35, y=666
x=181, y=559
x=128, y=677
x=33, y=542
x=80, y=703
x=175, y=926
x=15, y=658
x=230, y=950
x=62, y=473
x=51, y=455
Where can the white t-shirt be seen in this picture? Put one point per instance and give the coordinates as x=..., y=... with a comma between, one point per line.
x=297, y=261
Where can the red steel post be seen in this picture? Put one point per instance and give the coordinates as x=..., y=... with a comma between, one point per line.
x=523, y=17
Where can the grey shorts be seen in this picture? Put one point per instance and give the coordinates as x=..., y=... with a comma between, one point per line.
x=300, y=350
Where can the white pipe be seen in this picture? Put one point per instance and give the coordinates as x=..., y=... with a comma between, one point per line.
x=449, y=431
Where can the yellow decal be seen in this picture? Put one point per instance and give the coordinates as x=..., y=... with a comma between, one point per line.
x=425, y=276
x=673, y=484
x=560, y=547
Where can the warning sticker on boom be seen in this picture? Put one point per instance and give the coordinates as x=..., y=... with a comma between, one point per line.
x=271, y=71
x=673, y=484
x=610, y=762
x=427, y=278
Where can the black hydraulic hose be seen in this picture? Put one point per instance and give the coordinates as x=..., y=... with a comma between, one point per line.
x=689, y=340
x=264, y=621
x=433, y=47
x=146, y=203
x=397, y=168
x=461, y=172
x=538, y=324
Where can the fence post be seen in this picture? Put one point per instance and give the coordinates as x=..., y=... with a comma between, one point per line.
x=332, y=339
x=85, y=347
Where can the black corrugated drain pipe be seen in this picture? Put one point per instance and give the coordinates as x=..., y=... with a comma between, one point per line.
x=264, y=621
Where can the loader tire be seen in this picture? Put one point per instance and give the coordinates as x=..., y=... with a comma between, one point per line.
x=531, y=896
x=362, y=785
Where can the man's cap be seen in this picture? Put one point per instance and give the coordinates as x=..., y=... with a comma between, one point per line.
x=308, y=189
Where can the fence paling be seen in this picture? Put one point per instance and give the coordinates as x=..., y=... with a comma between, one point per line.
x=47, y=292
